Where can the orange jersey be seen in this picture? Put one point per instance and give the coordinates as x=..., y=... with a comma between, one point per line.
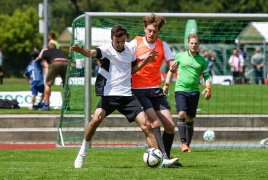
x=149, y=75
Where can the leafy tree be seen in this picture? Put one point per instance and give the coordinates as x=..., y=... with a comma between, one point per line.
x=19, y=33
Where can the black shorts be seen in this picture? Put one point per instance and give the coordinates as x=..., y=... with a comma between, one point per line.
x=152, y=98
x=187, y=101
x=129, y=106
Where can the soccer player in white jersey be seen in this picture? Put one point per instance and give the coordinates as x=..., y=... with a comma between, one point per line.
x=113, y=84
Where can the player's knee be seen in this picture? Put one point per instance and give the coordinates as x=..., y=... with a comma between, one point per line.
x=182, y=114
x=170, y=128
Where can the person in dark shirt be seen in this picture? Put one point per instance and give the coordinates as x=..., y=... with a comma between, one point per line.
x=57, y=62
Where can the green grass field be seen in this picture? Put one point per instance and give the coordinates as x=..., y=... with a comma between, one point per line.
x=233, y=99
x=127, y=164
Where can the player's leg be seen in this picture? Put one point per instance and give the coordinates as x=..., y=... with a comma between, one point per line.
x=145, y=126
x=181, y=105
x=96, y=120
x=162, y=109
x=51, y=75
x=143, y=97
x=192, y=100
x=62, y=73
x=104, y=108
x=34, y=93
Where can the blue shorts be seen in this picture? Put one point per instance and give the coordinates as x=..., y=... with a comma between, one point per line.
x=36, y=89
x=187, y=101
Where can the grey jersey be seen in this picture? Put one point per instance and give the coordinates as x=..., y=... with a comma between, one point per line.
x=257, y=59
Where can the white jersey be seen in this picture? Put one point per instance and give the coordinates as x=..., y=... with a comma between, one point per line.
x=238, y=62
x=114, y=75
x=168, y=54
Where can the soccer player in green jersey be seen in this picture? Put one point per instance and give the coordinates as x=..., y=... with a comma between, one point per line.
x=190, y=66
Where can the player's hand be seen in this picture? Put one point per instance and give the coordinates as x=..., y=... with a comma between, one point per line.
x=165, y=89
x=77, y=48
x=149, y=56
x=173, y=67
x=207, y=93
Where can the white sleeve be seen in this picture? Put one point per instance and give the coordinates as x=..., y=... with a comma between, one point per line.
x=132, y=46
x=230, y=59
x=242, y=61
x=168, y=55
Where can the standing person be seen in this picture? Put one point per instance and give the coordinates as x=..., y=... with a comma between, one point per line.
x=1, y=63
x=113, y=84
x=191, y=65
x=236, y=62
x=146, y=85
x=57, y=61
x=258, y=60
x=34, y=76
x=52, y=39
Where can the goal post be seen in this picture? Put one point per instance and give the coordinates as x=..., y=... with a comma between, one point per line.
x=236, y=112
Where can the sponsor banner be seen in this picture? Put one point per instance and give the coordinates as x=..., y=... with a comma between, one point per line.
x=25, y=98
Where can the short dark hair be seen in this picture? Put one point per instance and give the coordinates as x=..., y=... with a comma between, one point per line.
x=118, y=31
x=52, y=35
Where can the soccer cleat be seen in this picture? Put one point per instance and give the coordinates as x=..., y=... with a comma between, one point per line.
x=166, y=163
x=79, y=161
x=45, y=108
x=176, y=165
x=184, y=148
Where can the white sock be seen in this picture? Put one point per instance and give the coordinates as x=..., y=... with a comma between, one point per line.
x=84, y=147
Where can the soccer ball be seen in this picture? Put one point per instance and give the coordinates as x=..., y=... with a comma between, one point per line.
x=209, y=135
x=153, y=157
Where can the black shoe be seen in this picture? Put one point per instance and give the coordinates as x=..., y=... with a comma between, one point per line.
x=176, y=165
x=35, y=107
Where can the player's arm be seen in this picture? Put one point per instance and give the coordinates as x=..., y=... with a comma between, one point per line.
x=27, y=78
x=84, y=52
x=167, y=81
x=150, y=56
x=172, y=66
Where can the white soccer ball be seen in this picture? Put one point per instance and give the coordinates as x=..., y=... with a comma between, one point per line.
x=153, y=157
x=209, y=135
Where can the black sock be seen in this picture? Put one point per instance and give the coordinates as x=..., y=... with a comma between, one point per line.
x=182, y=129
x=168, y=141
x=159, y=140
x=190, y=132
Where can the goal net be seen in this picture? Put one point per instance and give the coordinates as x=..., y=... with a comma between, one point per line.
x=237, y=111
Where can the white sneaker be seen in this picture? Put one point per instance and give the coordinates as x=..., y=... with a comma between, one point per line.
x=168, y=162
x=79, y=161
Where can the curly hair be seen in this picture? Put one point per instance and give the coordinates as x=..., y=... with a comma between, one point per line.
x=154, y=20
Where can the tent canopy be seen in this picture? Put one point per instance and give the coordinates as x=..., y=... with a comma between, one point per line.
x=253, y=33
x=99, y=36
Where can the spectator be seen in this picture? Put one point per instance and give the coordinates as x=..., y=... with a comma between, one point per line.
x=237, y=67
x=52, y=39
x=258, y=60
x=36, y=48
x=57, y=62
x=210, y=58
x=34, y=75
x=1, y=63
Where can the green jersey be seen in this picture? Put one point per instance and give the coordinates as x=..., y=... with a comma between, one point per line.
x=190, y=68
